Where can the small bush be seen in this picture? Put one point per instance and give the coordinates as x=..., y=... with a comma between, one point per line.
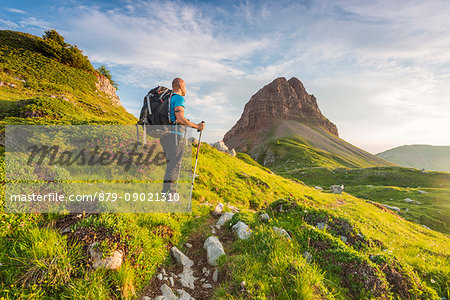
x=54, y=46
x=105, y=72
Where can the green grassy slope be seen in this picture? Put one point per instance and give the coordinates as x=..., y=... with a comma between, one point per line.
x=391, y=186
x=422, y=254
x=386, y=256
x=37, y=89
x=426, y=157
x=290, y=145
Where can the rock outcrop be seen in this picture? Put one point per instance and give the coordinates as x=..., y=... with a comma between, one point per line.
x=280, y=100
x=104, y=85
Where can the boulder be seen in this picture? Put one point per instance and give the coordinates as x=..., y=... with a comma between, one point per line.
x=187, y=276
x=321, y=225
x=281, y=232
x=242, y=230
x=318, y=188
x=220, y=145
x=167, y=293
x=215, y=275
x=409, y=200
x=337, y=189
x=193, y=141
x=394, y=208
x=184, y=295
x=264, y=217
x=218, y=209
x=181, y=258
x=112, y=262
x=214, y=250
x=225, y=217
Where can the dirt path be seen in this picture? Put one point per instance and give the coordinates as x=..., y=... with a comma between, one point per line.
x=197, y=254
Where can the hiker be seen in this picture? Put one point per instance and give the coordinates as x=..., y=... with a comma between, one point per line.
x=173, y=148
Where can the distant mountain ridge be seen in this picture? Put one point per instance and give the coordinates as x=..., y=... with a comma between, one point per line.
x=282, y=126
x=435, y=158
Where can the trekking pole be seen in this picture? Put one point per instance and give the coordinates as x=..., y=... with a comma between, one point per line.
x=195, y=167
x=137, y=133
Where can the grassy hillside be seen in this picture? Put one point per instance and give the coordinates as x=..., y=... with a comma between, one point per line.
x=391, y=186
x=36, y=88
x=46, y=256
x=426, y=157
x=380, y=244
x=290, y=145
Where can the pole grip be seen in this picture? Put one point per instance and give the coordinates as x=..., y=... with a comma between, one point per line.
x=200, y=122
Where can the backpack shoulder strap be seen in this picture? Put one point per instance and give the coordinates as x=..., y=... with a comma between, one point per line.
x=149, y=108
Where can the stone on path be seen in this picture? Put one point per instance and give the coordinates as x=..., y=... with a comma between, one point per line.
x=181, y=258
x=218, y=209
x=225, y=217
x=187, y=276
x=215, y=275
x=214, y=250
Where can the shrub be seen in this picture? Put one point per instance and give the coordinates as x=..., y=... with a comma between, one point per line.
x=53, y=45
x=105, y=72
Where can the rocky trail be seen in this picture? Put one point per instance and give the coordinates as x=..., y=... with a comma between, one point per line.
x=193, y=273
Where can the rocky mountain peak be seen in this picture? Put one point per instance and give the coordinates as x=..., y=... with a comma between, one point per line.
x=279, y=100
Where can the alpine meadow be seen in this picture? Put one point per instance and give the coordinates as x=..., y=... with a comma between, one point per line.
x=282, y=208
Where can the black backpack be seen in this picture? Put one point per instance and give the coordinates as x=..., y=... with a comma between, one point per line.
x=156, y=107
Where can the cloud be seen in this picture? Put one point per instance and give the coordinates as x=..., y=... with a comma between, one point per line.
x=182, y=40
x=378, y=69
x=8, y=23
x=34, y=22
x=15, y=10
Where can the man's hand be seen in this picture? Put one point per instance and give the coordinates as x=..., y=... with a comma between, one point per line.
x=201, y=126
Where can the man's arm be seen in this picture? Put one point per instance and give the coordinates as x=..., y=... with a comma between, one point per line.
x=179, y=115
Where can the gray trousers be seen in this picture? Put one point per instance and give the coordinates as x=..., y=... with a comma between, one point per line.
x=173, y=150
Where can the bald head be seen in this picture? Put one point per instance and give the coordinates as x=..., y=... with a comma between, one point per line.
x=179, y=86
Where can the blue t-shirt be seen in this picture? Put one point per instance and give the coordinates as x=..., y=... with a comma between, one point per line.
x=176, y=100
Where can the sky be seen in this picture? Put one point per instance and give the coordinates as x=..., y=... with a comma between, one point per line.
x=380, y=70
